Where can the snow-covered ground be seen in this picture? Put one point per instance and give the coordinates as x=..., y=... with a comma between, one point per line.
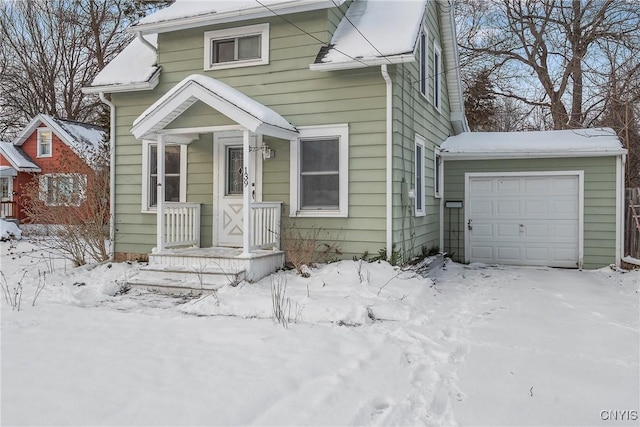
x=370, y=345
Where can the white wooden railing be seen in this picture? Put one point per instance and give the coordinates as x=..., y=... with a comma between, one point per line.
x=265, y=225
x=7, y=209
x=181, y=225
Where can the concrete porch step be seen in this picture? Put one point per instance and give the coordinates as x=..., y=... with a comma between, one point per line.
x=180, y=278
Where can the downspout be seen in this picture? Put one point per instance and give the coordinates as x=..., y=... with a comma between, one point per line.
x=389, y=163
x=112, y=173
x=146, y=42
x=620, y=207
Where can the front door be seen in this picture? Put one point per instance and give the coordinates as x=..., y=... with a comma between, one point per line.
x=228, y=187
x=6, y=196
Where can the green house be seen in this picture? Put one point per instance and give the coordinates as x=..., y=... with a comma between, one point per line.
x=231, y=120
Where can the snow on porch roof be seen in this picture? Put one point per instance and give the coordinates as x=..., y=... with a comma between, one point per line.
x=240, y=108
x=386, y=31
x=18, y=158
x=553, y=143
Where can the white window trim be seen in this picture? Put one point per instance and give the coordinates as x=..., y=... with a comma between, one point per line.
x=419, y=142
x=9, y=195
x=437, y=77
x=438, y=189
x=342, y=132
x=40, y=130
x=250, y=30
x=145, y=176
x=44, y=187
x=423, y=64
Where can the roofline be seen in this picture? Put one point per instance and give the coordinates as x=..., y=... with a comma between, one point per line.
x=14, y=165
x=447, y=155
x=128, y=87
x=453, y=70
x=362, y=63
x=291, y=6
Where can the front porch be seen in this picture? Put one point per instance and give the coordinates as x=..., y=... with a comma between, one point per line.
x=246, y=230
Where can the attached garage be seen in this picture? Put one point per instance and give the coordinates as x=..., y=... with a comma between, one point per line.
x=534, y=198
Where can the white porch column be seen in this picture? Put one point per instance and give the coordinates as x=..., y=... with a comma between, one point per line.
x=160, y=194
x=246, y=192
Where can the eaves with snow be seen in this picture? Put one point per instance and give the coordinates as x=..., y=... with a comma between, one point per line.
x=18, y=159
x=84, y=139
x=535, y=144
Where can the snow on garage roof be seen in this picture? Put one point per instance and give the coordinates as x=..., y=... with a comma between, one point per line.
x=391, y=26
x=553, y=143
x=189, y=13
x=133, y=68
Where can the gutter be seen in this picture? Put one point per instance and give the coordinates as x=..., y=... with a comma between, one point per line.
x=453, y=155
x=112, y=173
x=389, y=160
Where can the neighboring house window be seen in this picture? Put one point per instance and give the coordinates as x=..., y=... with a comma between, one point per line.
x=437, y=75
x=438, y=173
x=5, y=191
x=236, y=47
x=63, y=189
x=320, y=168
x=174, y=174
x=45, y=143
x=423, y=62
x=419, y=177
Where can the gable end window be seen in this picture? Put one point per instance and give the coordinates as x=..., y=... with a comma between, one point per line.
x=175, y=170
x=423, y=62
x=319, y=168
x=437, y=76
x=419, y=177
x=45, y=143
x=236, y=47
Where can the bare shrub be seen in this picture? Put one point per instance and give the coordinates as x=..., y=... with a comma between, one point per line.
x=281, y=304
x=305, y=247
x=12, y=295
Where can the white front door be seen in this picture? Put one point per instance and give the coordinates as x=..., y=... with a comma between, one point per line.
x=524, y=220
x=229, y=183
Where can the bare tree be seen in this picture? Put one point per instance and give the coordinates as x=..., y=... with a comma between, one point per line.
x=549, y=54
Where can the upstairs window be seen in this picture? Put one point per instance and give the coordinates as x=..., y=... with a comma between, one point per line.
x=437, y=76
x=423, y=62
x=236, y=47
x=45, y=143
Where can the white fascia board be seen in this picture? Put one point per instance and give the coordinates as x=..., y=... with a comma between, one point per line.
x=528, y=155
x=233, y=16
x=362, y=63
x=128, y=87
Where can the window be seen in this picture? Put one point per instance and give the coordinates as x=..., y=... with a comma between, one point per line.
x=174, y=174
x=437, y=78
x=45, y=142
x=423, y=62
x=5, y=191
x=419, y=177
x=236, y=47
x=438, y=173
x=62, y=189
x=320, y=167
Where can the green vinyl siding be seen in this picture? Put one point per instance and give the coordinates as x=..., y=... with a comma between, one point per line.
x=599, y=200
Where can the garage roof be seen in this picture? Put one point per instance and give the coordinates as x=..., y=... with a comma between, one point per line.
x=553, y=143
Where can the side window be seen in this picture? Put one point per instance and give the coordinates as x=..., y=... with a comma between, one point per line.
x=319, y=171
x=236, y=47
x=438, y=173
x=423, y=62
x=437, y=76
x=45, y=143
x=419, y=176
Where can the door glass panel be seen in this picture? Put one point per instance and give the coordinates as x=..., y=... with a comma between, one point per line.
x=234, y=170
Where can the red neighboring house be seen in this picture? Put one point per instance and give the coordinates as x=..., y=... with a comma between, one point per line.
x=58, y=151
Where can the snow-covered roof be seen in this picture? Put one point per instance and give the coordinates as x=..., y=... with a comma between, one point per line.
x=135, y=68
x=189, y=13
x=7, y=171
x=374, y=32
x=553, y=143
x=220, y=96
x=18, y=158
x=83, y=138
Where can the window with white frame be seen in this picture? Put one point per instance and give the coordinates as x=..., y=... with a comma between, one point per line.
x=45, y=143
x=438, y=173
x=423, y=62
x=419, y=183
x=437, y=75
x=236, y=47
x=5, y=187
x=320, y=168
x=175, y=167
x=63, y=189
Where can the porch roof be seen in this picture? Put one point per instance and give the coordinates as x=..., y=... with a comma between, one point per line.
x=230, y=102
x=18, y=158
x=7, y=171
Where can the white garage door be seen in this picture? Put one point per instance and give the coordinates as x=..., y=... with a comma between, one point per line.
x=524, y=220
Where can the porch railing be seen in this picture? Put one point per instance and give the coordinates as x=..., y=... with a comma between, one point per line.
x=182, y=225
x=265, y=225
x=7, y=209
